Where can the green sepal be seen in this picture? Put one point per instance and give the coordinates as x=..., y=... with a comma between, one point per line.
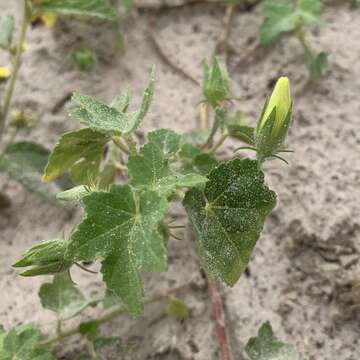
x=216, y=82
x=267, y=143
x=45, y=258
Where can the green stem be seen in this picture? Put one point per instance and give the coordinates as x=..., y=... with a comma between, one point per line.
x=131, y=144
x=219, y=143
x=117, y=141
x=213, y=131
x=177, y=226
x=16, y=66
x=300, y=34
x=111, y=315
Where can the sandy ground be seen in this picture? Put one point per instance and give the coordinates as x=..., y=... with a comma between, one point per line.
x=305, y=269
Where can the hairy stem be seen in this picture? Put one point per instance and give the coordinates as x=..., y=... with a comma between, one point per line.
x=219, y=319
x=111, y=315
x=219, y=143
x=203, y=112
x=213, y=131
x=16, y=66
x=117, y=141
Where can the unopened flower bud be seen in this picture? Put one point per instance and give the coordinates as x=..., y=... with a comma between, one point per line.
x=216, y=83
x=274, y=121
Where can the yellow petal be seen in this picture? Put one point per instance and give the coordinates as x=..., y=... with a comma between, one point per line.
x=48, y=19
x=281, y=100
x=4, y=72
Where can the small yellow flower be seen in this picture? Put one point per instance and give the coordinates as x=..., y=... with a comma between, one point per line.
x=4, y=72
x=48, y=19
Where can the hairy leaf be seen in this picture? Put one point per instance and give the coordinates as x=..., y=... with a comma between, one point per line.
x=150, y=169
x=110, y=120
x=266, y=347
x=22, y=343
x=194, y=161
x=121, y=227
x=228, y=217
x=63, y=297
x=80, y=152
x=25, y=162
x=93, y=8
x=168, y=141
x=6, y=31
x=76, y=193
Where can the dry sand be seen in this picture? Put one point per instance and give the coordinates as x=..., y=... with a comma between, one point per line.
x=304, y=271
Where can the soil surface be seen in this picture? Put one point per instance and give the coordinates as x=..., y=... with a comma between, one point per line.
x=305, y=272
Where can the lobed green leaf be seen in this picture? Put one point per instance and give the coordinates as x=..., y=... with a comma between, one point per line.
x=23, y=343
x=228, y=216
x=150, y=168
x=113, y=120
x=80, y=152
x=63, y=297
x=121, y=227
x=283, y=16
x=266, y=347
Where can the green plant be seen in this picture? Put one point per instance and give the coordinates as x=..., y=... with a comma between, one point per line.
x=290, y=16
x=126, y=225
x=24, y=161
x=84, y=59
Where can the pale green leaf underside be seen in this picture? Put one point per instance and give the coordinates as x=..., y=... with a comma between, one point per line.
x=22, y=343
x=78, y=151
x=62, y=296
x=93, y=8
x=25, y=162
x=266, y=347
x=228, y=217
x=6, y=31
x=111, y=120
x=121, y=224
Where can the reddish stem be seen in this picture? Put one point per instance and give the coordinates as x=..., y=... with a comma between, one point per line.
x=219, y=319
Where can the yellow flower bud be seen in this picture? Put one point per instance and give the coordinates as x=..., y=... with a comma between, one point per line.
x=281, y=101
x=274, y=121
